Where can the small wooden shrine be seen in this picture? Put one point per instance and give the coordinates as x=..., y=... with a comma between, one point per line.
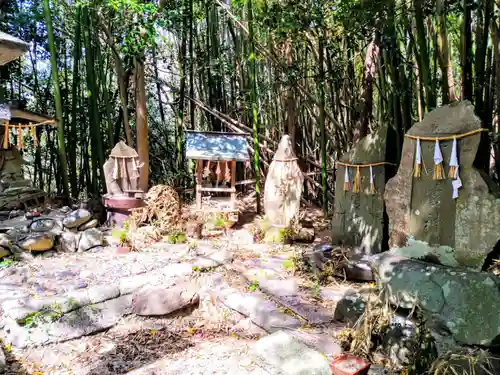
x=216, y=155
x=11, y=48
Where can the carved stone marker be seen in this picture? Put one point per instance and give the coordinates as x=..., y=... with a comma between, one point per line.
x=283, y=188
x=462, y=231
x=358, y=219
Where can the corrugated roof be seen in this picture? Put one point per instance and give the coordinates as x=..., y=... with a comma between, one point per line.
x=11, y=48
x=216, y=146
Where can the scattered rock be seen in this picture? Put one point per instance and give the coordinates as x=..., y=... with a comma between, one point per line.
x=89, y=224
x=68, y=242
x=163, y=301
x=461, y=303
x=262, y=312
x=42, y=225
x=39, y=242
x=282, y=354
x=358, y=269
x=5, y=241
x=314, y=314
x=4, y=252
x=89, y=239
x=350, y=308
x=76, y=218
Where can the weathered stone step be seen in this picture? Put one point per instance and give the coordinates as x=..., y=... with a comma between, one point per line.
x=261, y=311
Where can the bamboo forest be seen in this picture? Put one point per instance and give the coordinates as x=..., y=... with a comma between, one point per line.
x=254, y=187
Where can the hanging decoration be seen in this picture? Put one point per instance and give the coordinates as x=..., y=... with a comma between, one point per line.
x=218, y=171
x=19, y=128
x=438, y=162
x=347, y=184
x=372, y=183
x=206, y=170
x=453, y=172
x=356, y=188
x=357, y=181
x=418, y=160
x=227, y=175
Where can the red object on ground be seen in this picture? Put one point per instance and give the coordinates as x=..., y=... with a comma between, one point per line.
x=347, y=364
x=123, y=250
x=35, y=214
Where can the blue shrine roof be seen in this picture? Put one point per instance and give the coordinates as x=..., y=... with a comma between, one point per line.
x=217, y=146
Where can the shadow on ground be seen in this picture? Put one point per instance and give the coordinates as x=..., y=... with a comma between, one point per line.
x=14, y=367
x=134, y=350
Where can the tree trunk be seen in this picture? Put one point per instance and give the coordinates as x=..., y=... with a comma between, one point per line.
x=448, y=83
x=363, y=123
x=58, y=101
x=253, y=105
x=142, y=124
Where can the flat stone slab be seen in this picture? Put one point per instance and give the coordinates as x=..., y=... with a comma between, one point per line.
x=322, y=342
x=19, y=309
x=164, y=276
x=80, y=322
x=279, y=288
x=262, y=312
x=282, y=354
x=212, y=260
x=314, y=314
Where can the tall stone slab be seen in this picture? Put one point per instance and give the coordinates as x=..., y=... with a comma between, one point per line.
x=358, y=218
x=423, y=208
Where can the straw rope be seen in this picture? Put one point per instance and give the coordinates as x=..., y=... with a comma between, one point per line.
x=448, y=137
x=364, y=165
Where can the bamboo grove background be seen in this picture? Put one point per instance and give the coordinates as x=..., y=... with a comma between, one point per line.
x=326, y=72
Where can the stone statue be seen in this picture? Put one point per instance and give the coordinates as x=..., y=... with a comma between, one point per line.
x=122, y=170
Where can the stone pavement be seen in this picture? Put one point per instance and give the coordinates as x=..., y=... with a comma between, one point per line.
x=56, y=310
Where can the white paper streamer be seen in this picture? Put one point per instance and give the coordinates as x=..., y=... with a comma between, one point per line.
x=456, y=184
x=371, y=175
x=418, y=153
x=438, y=156
x=454, y=158
x=346, y=175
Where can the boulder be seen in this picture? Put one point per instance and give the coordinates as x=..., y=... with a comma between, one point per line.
x=358, y=218
x=457, y=302
x=4, y=252
x=76, y=218
x=89, y=239
x=160, y=301
x=68, y=242
x=38, y=242
x=462, y=231
x=88, y=225
x=42, y=225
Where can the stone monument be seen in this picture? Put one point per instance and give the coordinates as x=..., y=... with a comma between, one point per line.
x=426, y=220
x=358, y=218
x=283, y=188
